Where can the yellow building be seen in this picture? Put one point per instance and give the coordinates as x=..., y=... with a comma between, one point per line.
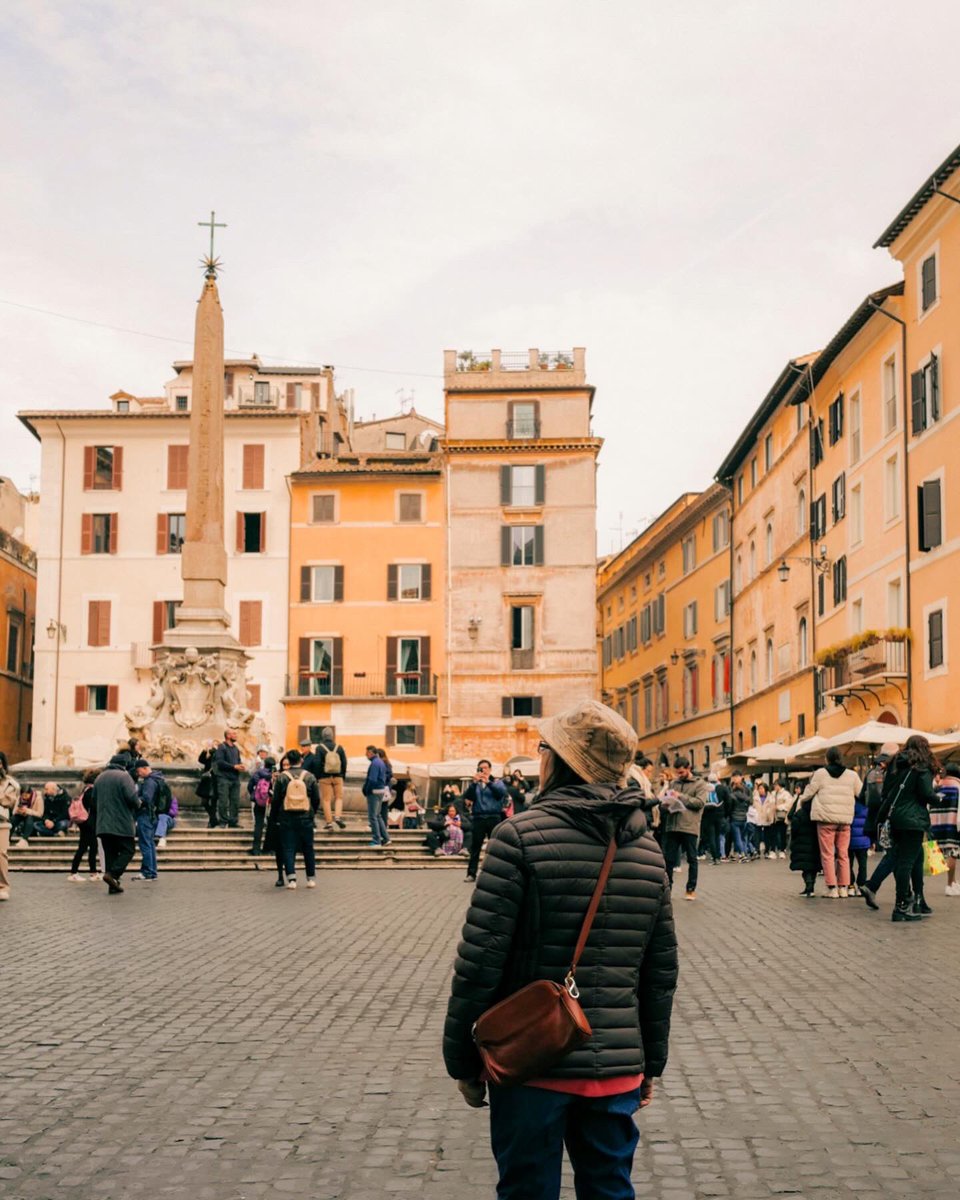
x=367, y=561
x=773, y=567
x=924, y=238
x=858, y=521
x=664, y=621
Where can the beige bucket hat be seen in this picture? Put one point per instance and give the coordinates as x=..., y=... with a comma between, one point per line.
x=592, y=739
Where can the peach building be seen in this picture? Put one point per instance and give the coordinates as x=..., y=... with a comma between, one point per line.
x=767, y=472
x=18, y=592
x=664, y=620
x=367, y=561
x=520, y=462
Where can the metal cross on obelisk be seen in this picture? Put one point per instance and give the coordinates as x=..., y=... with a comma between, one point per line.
x=210, y=262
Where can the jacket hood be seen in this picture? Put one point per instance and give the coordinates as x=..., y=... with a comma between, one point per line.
x=835, y=770
x=119, y=762
x=599, y=810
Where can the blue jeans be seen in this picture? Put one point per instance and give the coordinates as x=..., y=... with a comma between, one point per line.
x=146, y=840
x=740, y=843
x=529, y=1128
x=378, y=828
x=164, y=824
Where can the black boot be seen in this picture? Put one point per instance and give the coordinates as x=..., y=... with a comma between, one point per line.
x=870, y=896
x=904, y=912
x=921, y=907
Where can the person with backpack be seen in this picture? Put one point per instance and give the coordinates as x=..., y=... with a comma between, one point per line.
x=9, y=800
x=259, y=789
x=152, y=791
x=328, y=765
x=83, y=814
x=115, y=797
x=297, y=798
x=168, y=809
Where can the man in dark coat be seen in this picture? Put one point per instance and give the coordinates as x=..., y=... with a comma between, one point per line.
x=117, y=804
x=227, y=769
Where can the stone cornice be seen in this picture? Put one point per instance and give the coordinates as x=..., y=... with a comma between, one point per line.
x=524, y=446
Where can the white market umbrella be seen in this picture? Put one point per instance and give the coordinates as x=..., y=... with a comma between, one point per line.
x=863, y=739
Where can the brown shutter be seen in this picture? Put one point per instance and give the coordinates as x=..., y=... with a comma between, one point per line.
x=263, y=532
x=511, y=405
x=228, y=383
x=420, y=734
x=104, y=623
x=86, y=533
x=391, y=674
x=89, y=459
x=540, y=484
x=163, y=532
x=303, y=666
x=93, y=623
x=177, y=467
x=426, y=680
x=338, y=583
x=305, y=585
x=251, y=622
x=291, y=395
x=337, y=681
x=239, y=532
x=315, y=395
x=80, y=698
x=253, y=696
x=390, y=735
x=243, y=632
x=506, y=706
x=506, y=485
x=114, y=532
x=253, y=458
x=113, y=698
x=425, y=581
x=392, y=582
x=505, y=545
x=117, y=481
x=157, y=622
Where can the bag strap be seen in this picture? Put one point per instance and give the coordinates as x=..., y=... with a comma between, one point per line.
x=587, y=925
x=893, y=804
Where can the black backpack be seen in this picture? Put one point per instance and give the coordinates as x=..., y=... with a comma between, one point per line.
x=162, y=797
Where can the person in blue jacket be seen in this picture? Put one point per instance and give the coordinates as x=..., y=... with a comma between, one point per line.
x=374, y=787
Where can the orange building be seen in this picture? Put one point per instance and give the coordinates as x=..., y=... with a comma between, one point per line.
x=18, y=587
x=664, y=622
x=774, y=567
x=367, y=561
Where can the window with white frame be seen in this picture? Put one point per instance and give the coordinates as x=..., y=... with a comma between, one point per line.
x=690, y=619
x=928, y=282
x=688, y=549
x=802, y=642
x=753, y=473
x=935, y=629
x=925, y=396
x=753, y=671
x=768, y=544
x=856, y=515
x=895, y=603
x=768, y=452
x=410, y=581
x=889, y=386
x=323, y=583
x=855, y=429
x=801, y=512
x=891, y=487
x=721, y=600
x=768, y=660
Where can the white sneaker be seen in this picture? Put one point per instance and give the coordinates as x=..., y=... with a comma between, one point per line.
x=952, y=889
x=783, y=854
x=833, y=894
x=4, y=893
x=75, y=878
x=842, y=892
x=162, y=844
x=292, y=884
x=311, y=883
x=95, y=878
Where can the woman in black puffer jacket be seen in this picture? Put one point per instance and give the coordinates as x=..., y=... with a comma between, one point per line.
x=539, y=873
x=907, y=796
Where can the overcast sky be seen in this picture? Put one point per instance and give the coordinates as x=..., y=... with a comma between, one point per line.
x=690, y=190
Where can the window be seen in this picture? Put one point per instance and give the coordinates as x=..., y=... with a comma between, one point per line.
x=98, y=533
x=396, y=441
x=753, y=671
x=410, y=507
x=261, y=392
x=840, y=580
x=98, y=623
x=739, y=678
x=928, y=283
x=936, y=653
x=164, y=617
x=768, y=544
x=521, y=706
x=688, y=548
x=856, y=616
x=632, y=634
x=740, y=488
x=802, y=642
x=409, y=581
x=816, y=443
x=253, y=457
x=768, y=660
x=659, y=615
x=177, y=468
x=835, y=420
x=691, y=689
x=925, y=396
x=14, y=643
x=324, y=509
x=96, y=698
x=768, y=452
x=721, y=530
x=521, y=545
x=409, y=679
x=721, y=601
x=648, y=705
x=721, y=679
x=171, y=532
x=753, y=473
x=690, y=619
x=250, y=623
x=521, y=636
x=404, y=735
x=801, y=726
x=783, y=707
x=251, y=532
x=661, y=702
x=320, y=666
x=895, y=603
x=838, y=497
x=321, y=585
x=753, y=560
x=522, y=487
x=930, y=514
x=738, y=572
x=181, y=403
x=801, y=512
x=855, y=431
x=818, y=518
x=889, y=385
x=523, y=420
x=891, y=488
x=661, y=568
x=102, y=468
x=821, y=594
x=856, y=515
x=801, y=415
x=123, y=406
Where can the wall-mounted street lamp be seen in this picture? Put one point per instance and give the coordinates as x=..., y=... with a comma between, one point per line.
x=821, y=564
x=691, y=653
x=55, y=628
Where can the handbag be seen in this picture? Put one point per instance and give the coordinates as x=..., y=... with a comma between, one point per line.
x=528, y=1033
x=884, y=836
x=933, y=861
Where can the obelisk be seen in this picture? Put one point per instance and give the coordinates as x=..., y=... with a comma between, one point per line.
x=202, y=618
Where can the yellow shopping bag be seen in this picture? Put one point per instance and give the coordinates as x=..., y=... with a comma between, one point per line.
x=933, y=861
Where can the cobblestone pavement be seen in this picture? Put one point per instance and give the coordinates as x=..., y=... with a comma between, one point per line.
x=211, y=1036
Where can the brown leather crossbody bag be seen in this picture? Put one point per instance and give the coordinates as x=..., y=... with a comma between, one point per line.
x=530, y=1031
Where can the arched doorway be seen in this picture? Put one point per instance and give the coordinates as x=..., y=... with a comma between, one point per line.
x=888, y=717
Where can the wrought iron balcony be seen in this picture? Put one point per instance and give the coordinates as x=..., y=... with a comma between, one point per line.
x=363, y=685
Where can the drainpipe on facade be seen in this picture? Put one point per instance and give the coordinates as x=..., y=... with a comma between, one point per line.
x=908, y=608
x=56, y=669
x=732, y=602
x=446, y=714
